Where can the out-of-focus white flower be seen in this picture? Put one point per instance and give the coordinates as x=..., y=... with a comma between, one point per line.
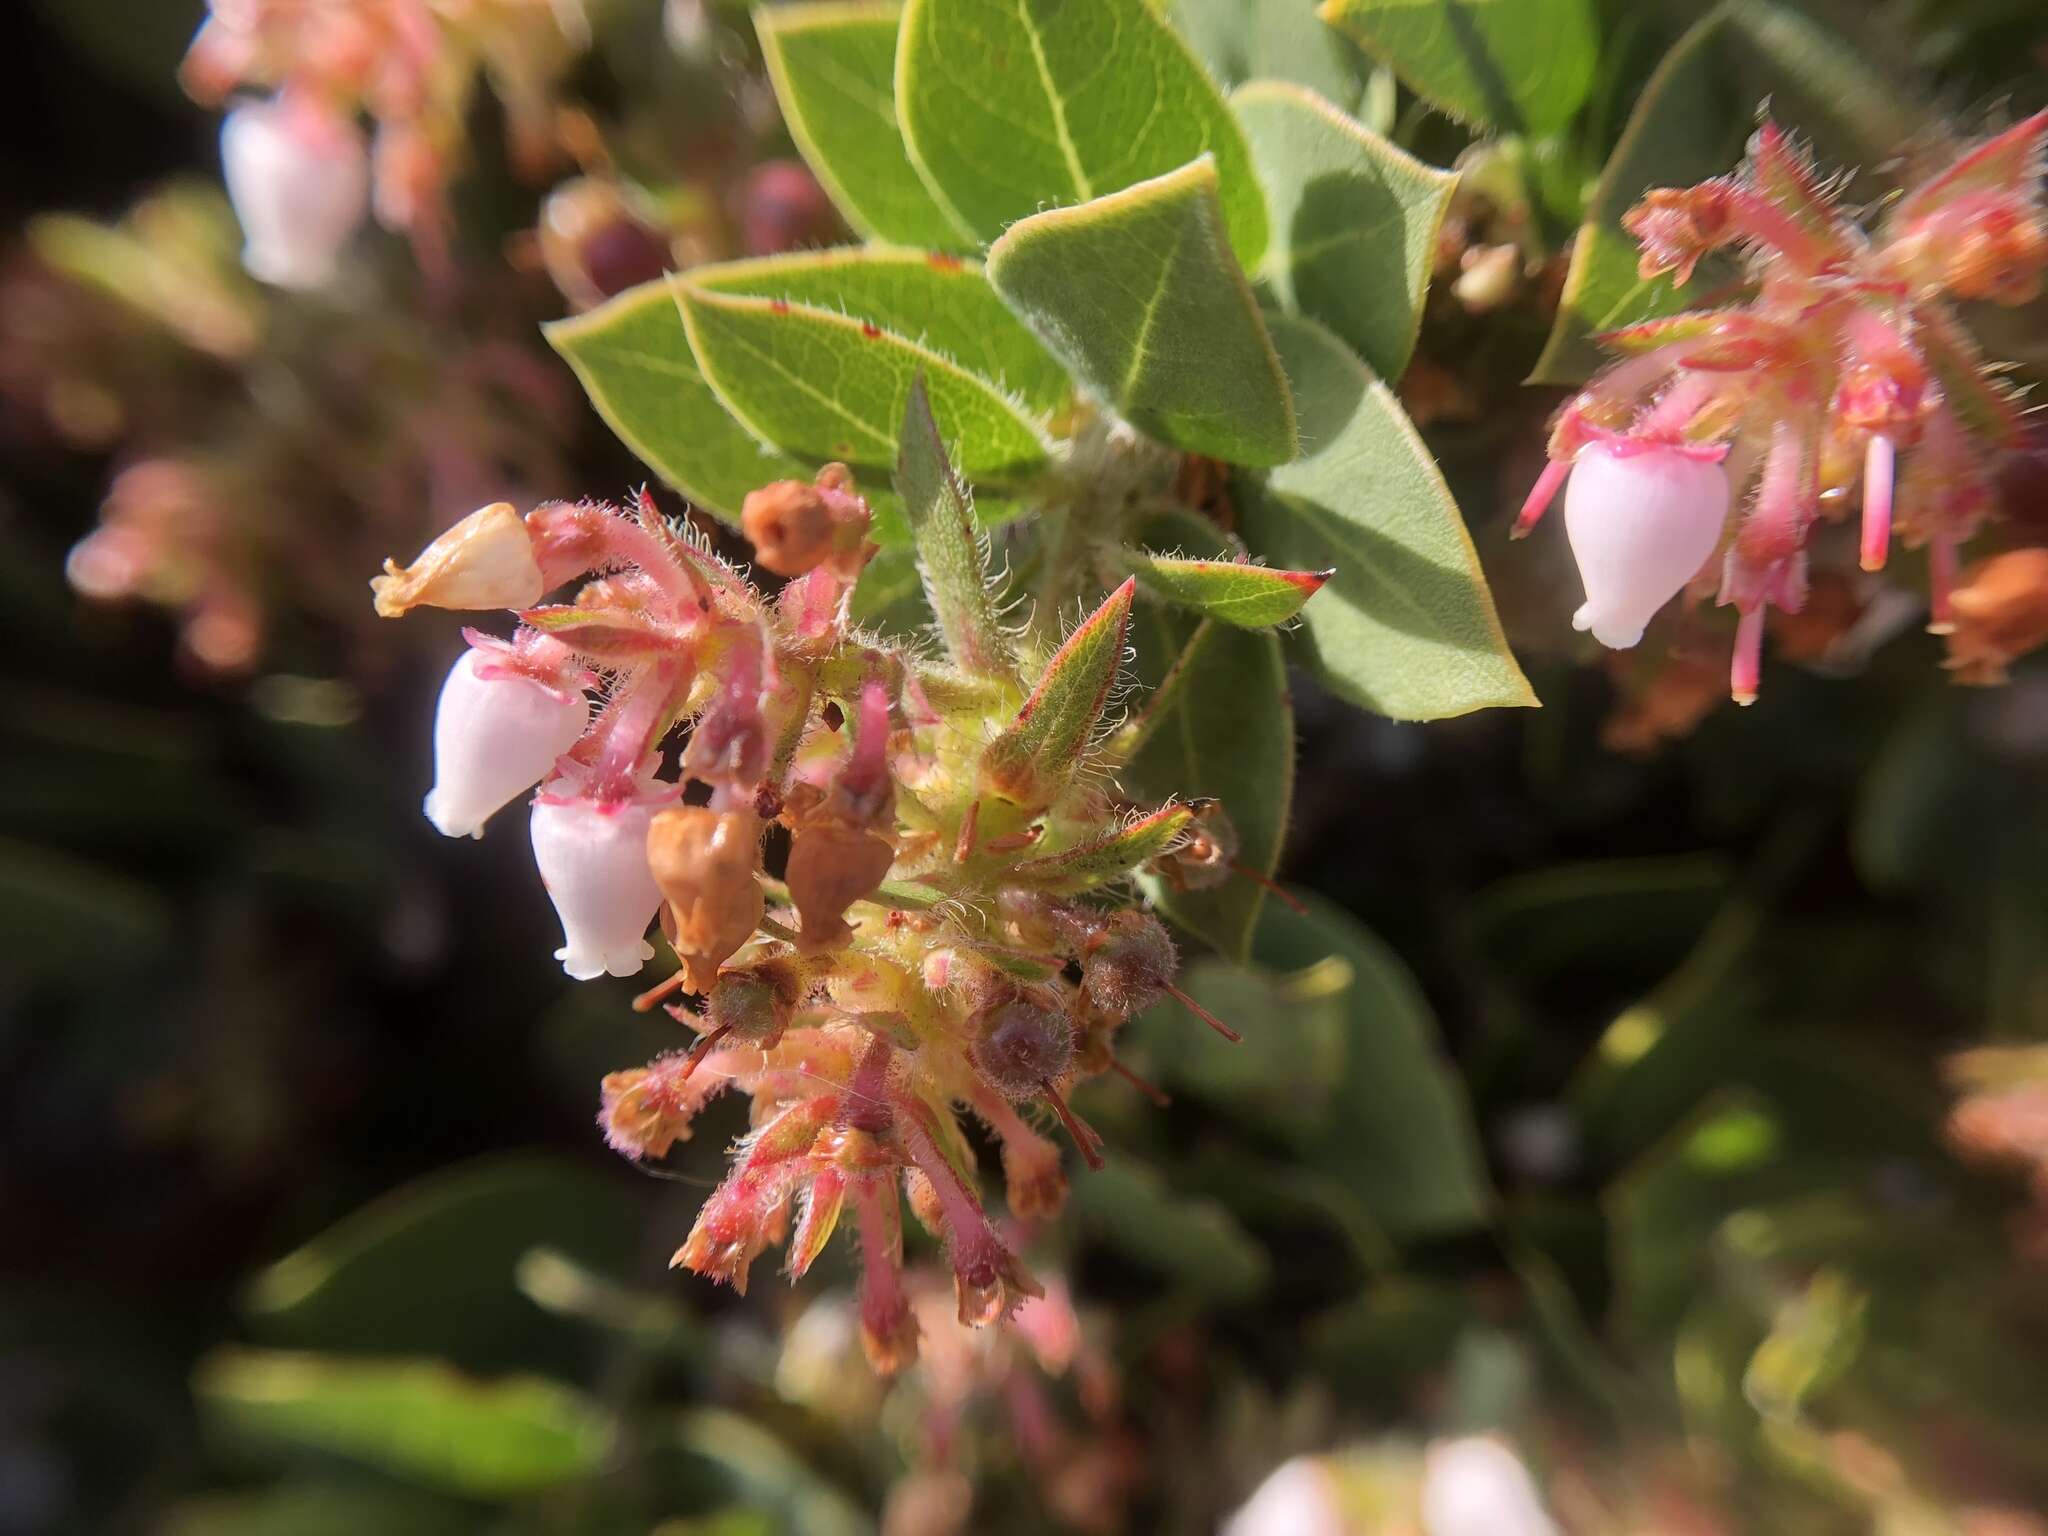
x=593, y=861
x=299, y=176
x=1642, y=518
x=1298, y=1499
x=496, y=735
x=1476, y=1486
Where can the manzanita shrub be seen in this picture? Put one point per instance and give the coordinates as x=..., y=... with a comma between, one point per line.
x=1110, y=301
x=1137, y=332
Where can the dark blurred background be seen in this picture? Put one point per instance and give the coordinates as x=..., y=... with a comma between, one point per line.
x=282, y=1070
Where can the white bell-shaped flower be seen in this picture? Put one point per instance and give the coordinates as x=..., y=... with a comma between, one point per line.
x=299, y=177
x=1478, y=1487
x=593, y=860
x=1642, y=519
x=1298, y=1499
x=495, y=737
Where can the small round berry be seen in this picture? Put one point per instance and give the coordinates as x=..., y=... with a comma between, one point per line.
x=1021, y=1047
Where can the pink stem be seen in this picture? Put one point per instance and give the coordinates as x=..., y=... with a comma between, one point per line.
x=1746, y=669
x=1667, y=420
x=1540, y=497
x=631, y=729
x=1941, y=582
x=1879, y=461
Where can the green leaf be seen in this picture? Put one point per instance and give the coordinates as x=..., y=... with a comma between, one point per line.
x=1520, y=65
x=833, y=66
x=634, y=361
x=1011, y=106
x=1406, y=626
x=890, y=597
x=955, y=568
x=1238, y=593
x=942, y=302
x=1259, y=40
x=1140, y=295
x=1355, y=220
x=326, y=1507
x=819, y=383
x=1225, y=733
x=1689, y=123
x=1399, y=1131
x=1194, y=1241
x=430, y=1267
x=418, y=1419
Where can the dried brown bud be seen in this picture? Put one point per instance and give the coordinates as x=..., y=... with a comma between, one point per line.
x=2000, y=607
x=704, y=861
x=830, y=868
x=789, y=525
x=484, y=561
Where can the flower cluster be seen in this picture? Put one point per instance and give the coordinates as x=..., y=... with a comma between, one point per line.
x=941, y=935
x=1844, y=363
x=300, y=170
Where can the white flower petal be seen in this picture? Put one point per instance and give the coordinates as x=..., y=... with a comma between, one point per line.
x=494, y=739
x=593, y=861
x=1642, y=520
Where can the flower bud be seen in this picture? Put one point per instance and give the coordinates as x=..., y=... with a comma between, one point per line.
x=593, y=861
x=1022, y=1047
x=484, y=561
x=496, y=735
x=594, y=242
x=1127, y=965
x=299, y=178
x=1642, y=518
x=646, y=1110
x=830, y=868
x=704, y=862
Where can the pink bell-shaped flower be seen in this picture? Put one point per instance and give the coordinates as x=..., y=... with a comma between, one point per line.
x=1643, y=517
x=299, y=177
x=496, y=735
x=593, y=861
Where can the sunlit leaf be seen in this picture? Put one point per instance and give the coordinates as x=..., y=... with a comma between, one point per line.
x=833, y=66
x=1139, y=293
x=1406, y=626
x=1355, y=220
x=819, y=383
x=1013, y=106
x=634, y=361
x=1520, y=65
x=939, y=301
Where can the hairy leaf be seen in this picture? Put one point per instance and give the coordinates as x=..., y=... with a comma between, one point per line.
x=1012, y=106
x=1355, y=220
x=955, y=574
x=941, y=302
x=634, y=361
x=1259, y=40
x=1521, y=65
x=1103, y=859
x=1240, y=594
x=1406, y=626
x=816, y=382
x=1139, y=293
x=833, y=66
